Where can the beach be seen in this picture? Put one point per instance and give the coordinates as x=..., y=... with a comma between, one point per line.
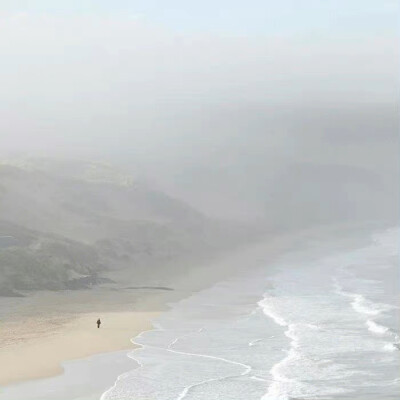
x=55, y=337
x=44, y=329
x=36, y=349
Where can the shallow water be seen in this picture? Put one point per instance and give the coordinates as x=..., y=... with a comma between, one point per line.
x=83, y=379
x=305, y=328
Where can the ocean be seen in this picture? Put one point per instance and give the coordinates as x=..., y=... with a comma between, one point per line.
x=313, y=325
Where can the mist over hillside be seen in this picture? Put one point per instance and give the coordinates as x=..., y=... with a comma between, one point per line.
x=65, y=223
x=285, y=166
x=211, y=138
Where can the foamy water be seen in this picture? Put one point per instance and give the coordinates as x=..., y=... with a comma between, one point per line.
x=303, y=328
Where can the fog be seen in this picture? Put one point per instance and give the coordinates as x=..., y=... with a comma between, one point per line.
x=202, y=193
x=237, y=125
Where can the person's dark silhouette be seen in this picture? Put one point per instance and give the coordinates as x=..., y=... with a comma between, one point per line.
x=98, y=323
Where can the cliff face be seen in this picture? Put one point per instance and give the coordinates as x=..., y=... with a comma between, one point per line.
x=62, y=227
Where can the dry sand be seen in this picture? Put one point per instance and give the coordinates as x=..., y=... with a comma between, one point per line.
x=41, y=348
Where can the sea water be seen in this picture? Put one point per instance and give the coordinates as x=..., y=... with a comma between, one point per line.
x=306, y=327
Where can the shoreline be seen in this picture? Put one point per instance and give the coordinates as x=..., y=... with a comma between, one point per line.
x=41, y=331
x=71, y=333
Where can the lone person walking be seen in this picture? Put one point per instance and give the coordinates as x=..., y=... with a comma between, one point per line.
x=98, y=323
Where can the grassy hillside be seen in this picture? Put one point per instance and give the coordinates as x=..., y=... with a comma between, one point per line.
x=61, y=228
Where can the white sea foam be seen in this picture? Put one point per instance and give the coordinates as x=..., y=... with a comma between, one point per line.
x=360, y=304
x=311, y=343
x=254, y=342
x=364, y=306
x=268, y=308
x=376, y=328
x=282, y=387
x=307, y=340
x=391, y=347
x=290, y=375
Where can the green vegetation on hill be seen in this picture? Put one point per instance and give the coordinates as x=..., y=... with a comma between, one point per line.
x=62, y=231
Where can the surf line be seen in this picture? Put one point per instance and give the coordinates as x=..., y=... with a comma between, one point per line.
x=274, y=391
x=186, y=390
x=105, y=394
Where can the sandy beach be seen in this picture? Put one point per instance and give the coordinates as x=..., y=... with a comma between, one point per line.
x=40, y=354
x=36, y=337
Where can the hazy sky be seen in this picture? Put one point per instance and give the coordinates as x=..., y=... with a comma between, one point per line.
x=76, y=70
x=229, y=16
x=173, y=84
